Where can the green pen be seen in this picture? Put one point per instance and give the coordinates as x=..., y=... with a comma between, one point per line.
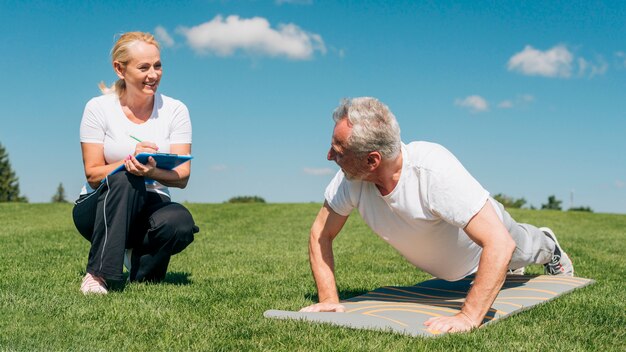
x=138, y=140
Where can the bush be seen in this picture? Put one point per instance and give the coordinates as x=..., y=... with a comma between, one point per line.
x=246, y=199
x=553, y=204
x=587, y=209
x=509, y=202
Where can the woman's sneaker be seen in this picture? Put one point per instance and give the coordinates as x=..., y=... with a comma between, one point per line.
x=93, y=284
x=560, y=264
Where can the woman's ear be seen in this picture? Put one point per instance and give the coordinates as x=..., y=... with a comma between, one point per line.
x=119, y=69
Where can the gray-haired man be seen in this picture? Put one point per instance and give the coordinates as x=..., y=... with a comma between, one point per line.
x=420, y=199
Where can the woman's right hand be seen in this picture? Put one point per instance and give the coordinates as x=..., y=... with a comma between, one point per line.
x=146, y=147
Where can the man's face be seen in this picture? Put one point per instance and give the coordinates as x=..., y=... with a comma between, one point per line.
x=353, y=167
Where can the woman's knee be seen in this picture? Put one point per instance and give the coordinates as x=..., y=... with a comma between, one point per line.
x=174, y=223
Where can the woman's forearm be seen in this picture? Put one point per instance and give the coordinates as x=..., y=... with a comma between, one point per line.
x=172, y=178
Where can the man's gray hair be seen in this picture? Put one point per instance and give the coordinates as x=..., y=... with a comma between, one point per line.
x=374, y=127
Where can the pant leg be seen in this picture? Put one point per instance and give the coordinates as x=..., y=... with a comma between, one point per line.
x=170, y=229
x=119, y=201
x=532, y=246
x=84, y=213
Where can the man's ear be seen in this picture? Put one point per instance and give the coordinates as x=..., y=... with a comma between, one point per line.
x=119, y=69
x=373, y=160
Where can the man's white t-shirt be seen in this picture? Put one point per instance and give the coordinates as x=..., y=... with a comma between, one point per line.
x=104, y=122
x=424, y=216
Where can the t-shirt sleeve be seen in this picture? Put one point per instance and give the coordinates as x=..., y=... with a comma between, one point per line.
x=337, y=195
x=93, y=124
x=454, y=194
x=181, y=125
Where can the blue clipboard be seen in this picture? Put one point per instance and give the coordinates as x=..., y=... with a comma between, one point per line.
x=163, y=161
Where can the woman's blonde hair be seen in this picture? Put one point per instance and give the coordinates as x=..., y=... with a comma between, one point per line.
x=121, y=54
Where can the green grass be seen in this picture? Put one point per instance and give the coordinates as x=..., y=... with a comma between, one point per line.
x=252, y=257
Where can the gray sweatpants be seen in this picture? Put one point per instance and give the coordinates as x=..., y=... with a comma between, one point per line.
x=532, y=246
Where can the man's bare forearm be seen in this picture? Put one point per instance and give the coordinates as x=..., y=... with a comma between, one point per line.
x=323, y=266
x=488, y=281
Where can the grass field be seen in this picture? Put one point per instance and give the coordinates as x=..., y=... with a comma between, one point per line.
x=252, y=257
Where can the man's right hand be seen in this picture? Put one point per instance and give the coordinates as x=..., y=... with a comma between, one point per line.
x=324, y=307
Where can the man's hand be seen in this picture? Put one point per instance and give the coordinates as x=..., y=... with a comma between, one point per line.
x=457, y=323
x=324, y=307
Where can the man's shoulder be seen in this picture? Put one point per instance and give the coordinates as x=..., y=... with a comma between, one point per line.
x=427, y=154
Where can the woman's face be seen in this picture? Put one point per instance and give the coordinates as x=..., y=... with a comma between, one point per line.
x=143, y=72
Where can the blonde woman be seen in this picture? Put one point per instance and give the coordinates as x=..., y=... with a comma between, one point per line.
x=128, y=217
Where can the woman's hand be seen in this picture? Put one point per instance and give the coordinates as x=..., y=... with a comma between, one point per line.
x=136, y=168
x=145, y=147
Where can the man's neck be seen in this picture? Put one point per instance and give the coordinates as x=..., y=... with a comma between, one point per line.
x=387, y=175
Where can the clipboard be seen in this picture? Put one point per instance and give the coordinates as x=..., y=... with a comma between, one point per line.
x=163, y=161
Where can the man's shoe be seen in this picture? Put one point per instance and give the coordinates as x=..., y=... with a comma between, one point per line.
x=93, y=284
x=519, y=271
x=560, y=264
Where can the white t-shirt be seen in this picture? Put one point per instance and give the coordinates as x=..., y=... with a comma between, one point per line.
x=104, y=122
x=424, y=216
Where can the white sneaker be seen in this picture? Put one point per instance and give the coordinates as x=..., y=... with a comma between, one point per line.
x=519, y=271
x=560, y=264
x=93, y=284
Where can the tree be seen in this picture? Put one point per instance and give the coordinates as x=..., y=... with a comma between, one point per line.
x=553, y=203
x=59, y=197
x=509, y=202
x=587, y=209
x=9, y=183
x=246, y=199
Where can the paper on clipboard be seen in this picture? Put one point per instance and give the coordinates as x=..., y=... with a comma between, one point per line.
x=163, y=160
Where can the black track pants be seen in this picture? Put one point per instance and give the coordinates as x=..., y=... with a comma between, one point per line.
x=121, y=214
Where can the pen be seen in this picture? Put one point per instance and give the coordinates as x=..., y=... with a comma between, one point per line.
x=135, y=138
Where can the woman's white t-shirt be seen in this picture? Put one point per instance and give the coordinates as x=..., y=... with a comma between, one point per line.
x=424, y=216
x=105, y=123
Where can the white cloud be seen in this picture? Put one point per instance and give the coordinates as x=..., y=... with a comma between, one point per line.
x=475, y=103
x=526, y=98
x=218, y=168
x=506, y=104
x=520, y=100
x=318, y=171
x=255, y=36
x=294, y=2
x=556, y=62
x=593, y=69
x=163, y=37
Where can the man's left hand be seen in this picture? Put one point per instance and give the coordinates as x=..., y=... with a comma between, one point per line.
x=456, y=323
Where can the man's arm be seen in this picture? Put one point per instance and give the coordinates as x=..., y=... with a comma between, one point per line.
x=324, y=230
x=486, y=229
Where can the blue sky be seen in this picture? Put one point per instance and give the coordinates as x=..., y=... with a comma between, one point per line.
x=530, y=96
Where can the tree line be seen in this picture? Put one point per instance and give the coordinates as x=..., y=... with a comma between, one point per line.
x=10, y=192
x=552, y=204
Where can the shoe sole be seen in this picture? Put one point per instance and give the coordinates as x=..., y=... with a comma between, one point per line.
x=553, y=236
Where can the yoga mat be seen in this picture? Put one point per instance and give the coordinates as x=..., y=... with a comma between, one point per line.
x=405, y=309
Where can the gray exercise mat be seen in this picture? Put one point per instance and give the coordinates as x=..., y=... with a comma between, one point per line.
x=405, y=309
